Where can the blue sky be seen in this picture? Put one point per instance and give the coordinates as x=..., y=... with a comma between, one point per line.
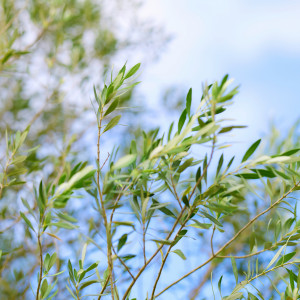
x=256, y=42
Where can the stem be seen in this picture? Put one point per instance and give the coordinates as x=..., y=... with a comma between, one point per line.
x=195, y=292
x=211, y=241
x=144, y=243
x=104, y=287
x=151, y=258
x=175, y=192
x=108, y=238
x=186, y=219
x=122, y=262
x=232, y=239
x=41, y=266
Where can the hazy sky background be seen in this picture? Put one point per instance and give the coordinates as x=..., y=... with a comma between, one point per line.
x=256, y=42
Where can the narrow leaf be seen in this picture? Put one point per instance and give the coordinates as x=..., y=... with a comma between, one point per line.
x=122, y=241
x=125, y=161
x=112, y=123
x=179, y=253
x=132, y=71
x=251, y=150
x=275, y=257
x=188, y=102
x=235, y=270
x=26, y=221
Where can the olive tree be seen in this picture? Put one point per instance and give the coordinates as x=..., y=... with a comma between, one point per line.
x=156, y=215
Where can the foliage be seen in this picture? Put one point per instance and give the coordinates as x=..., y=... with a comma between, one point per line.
x=101, y=228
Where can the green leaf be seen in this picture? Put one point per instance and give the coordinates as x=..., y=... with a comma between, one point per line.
x=180, y=235
x=70, y=291
x=67, y=217
x=52, y=261
x=188, y=102
x=63, y=225
x=83, y=253
x=165, y=210
x=219, y=285
x=290, y=152
x=112, y=123
x=91, y=267
x=132, y=71
x=214, y=220
x=95, y=94
x=122, y=241
x=76, y=181
x=185, y=165
x=170, y=131
x=185, y=201
x=179, y=253
x=112, y=107
x=87, y=283
x=229, y=128
x=181, y=120
x=275, y=257
x=235, y=270
x=251, y=150
x=221, y=160
x=124, y=223
x=198, y=175
x=285, y=258
x=125, y=161
x=164, y=242
x=197, y=224
x=44, y=287
x=26, y=221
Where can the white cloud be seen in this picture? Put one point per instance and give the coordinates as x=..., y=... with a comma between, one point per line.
x=245, y=29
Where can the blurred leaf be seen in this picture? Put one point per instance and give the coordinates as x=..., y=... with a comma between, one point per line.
x=112, y=123
x=179, y=253
x=124, y=162
x=235, y=271
x=188, y=102
x=122, y=241
x=251, y=150
x=132, y=71
x=26, y=221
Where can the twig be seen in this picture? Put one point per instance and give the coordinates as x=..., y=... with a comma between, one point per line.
x=122, y=262
x=151, y=258
x=41, y=267
x=195, y=292
x=231, y=240
x=108, y=232
x=175, y=192
x=186, y=219
x=105, y=160
x=211, y=241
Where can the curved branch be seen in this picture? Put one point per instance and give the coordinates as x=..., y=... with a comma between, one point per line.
x=232, y=239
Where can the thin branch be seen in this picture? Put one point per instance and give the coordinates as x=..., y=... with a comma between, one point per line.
x=231, y=240
x=104, y=287
x=186, y=219
x=105, y=161
x=152, y=257
x=211, y=241
x=122, y=262
x=103, y=212
x=195, y=292
x=41, y=267
x=144, y=243
x=175, y=192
